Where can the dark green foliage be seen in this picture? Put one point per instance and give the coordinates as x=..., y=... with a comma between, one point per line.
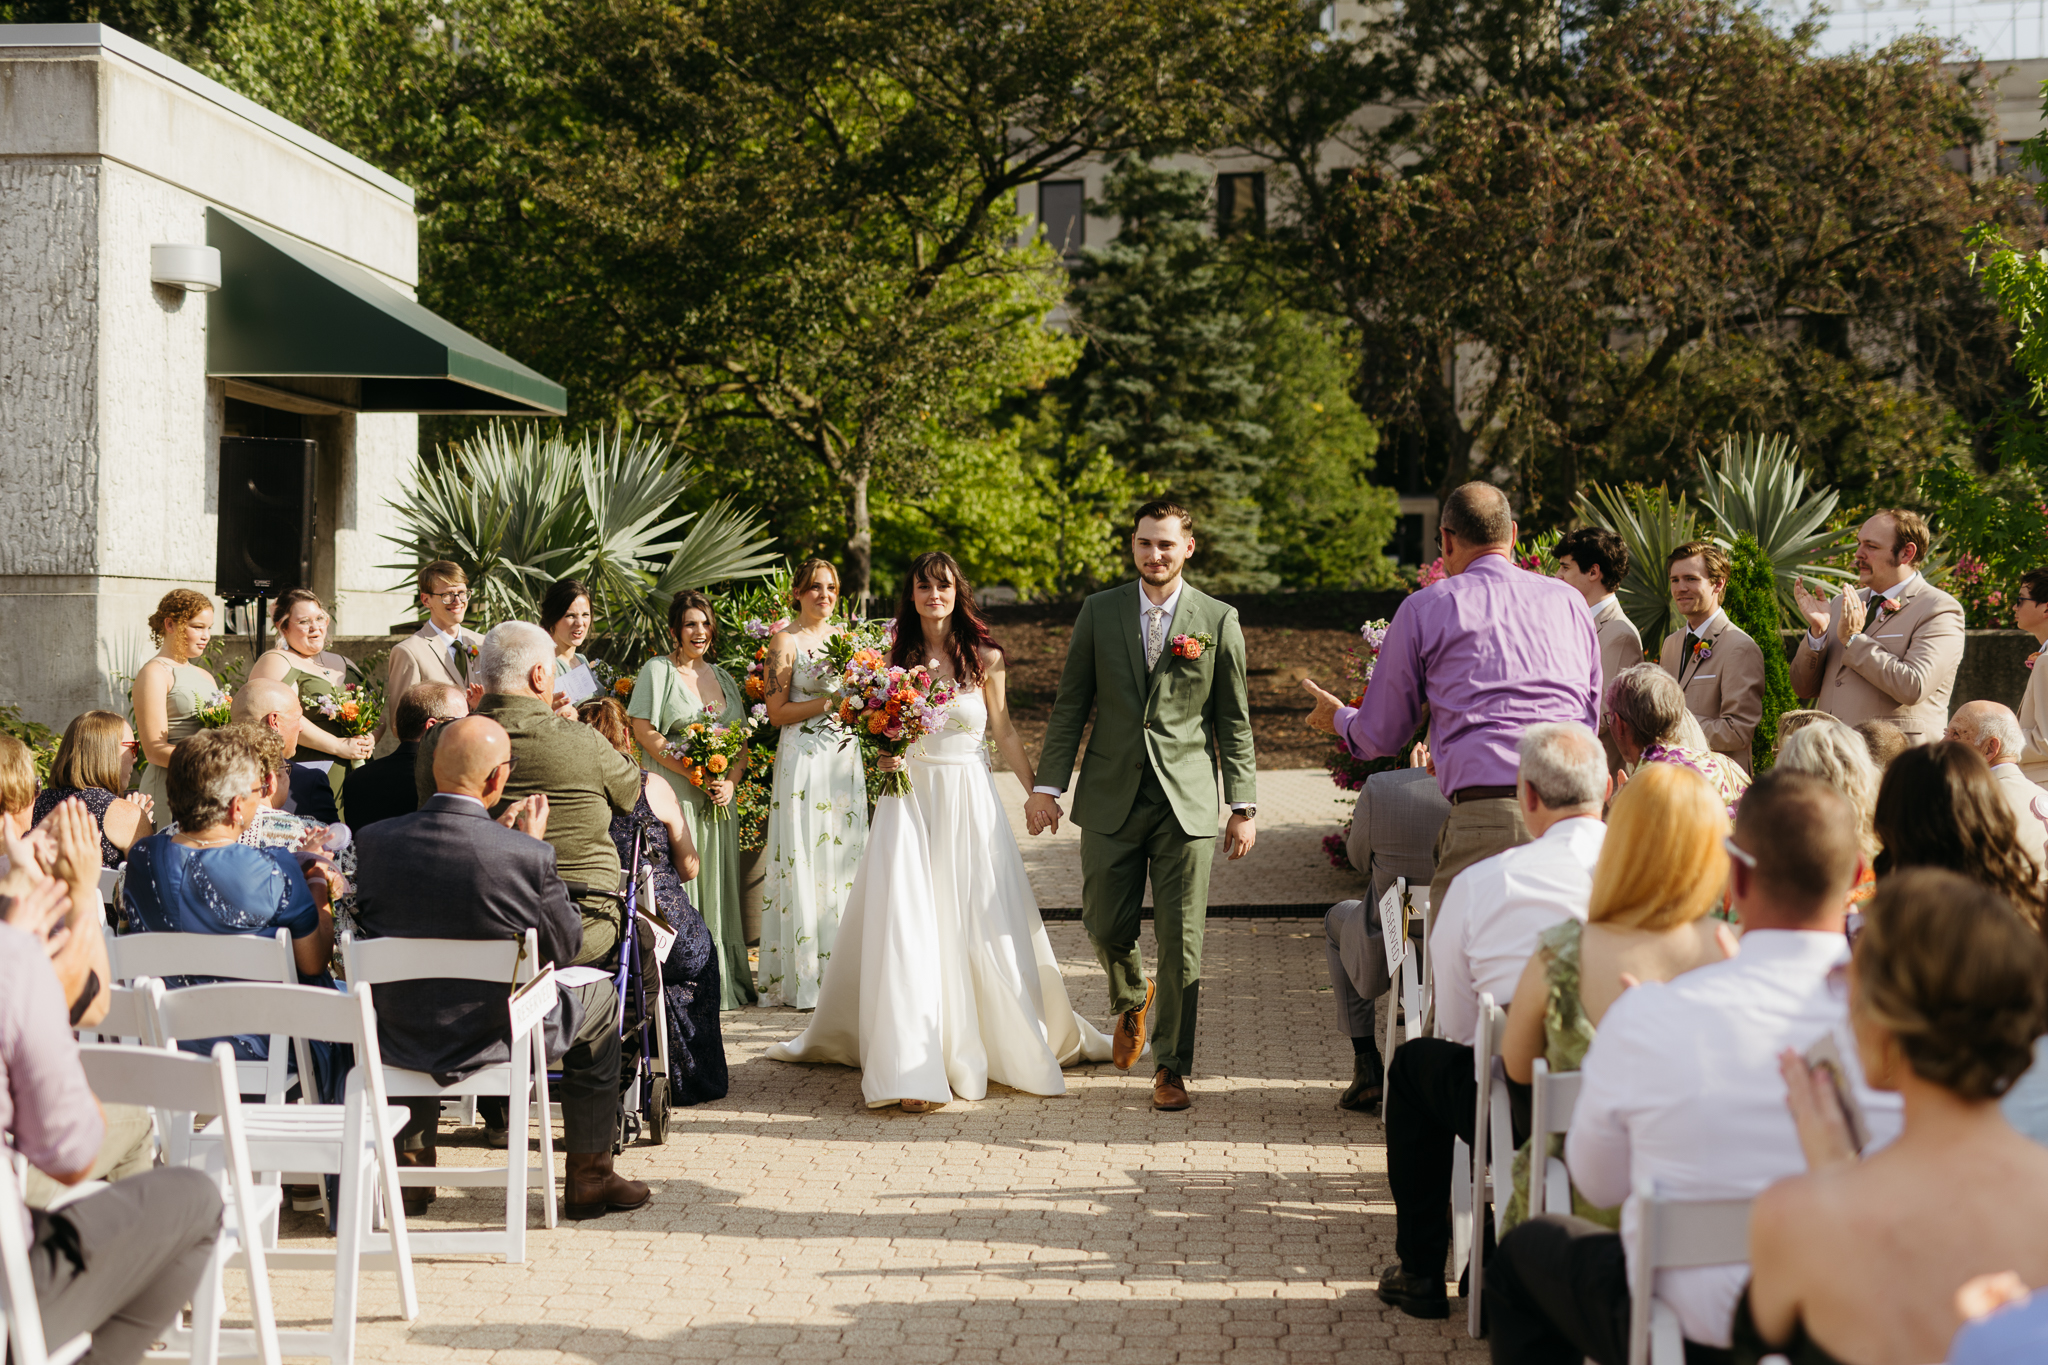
x=1752, y=604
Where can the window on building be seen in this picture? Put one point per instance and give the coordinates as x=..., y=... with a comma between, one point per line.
x=1240, y=203
x=1063, y=213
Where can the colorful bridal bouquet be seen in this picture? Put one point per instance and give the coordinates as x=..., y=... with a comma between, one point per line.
x=216, y=711
x=859, y=637
x=709, y=750
x=351, y=710
x=886, y=708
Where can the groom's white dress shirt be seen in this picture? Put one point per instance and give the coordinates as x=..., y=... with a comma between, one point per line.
x=1681, y=1086
x=1486, y=931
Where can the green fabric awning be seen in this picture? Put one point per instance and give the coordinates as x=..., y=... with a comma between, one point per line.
x=286, y=310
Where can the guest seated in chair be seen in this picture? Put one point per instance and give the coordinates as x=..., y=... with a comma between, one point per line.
x=1681, y=1087
x=450, y=871
x=1863, y=1260
x=275, y=706
x=1652, y=725
x=385, y=786
x=1393, y=834
x=1483, y=936
x=94, y=764
x=202, y=879
x=1940, y=806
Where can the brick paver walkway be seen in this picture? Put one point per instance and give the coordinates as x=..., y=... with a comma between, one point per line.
x=791, y=1223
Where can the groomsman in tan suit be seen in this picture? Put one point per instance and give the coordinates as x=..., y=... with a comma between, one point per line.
x=1889, y=650
x=1720, y=669
x=2030, y=614
x=442, y=651
x=1595, y=561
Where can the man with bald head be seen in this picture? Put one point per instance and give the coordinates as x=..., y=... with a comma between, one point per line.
x=448, y=870
x=1994, y=731
x=275, y=706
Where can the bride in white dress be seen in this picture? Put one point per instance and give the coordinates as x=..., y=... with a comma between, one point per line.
x=943, y=978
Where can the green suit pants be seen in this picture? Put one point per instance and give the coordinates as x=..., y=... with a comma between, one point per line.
x=1113, y=872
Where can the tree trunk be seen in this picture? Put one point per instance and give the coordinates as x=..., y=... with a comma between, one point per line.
x=860, y=544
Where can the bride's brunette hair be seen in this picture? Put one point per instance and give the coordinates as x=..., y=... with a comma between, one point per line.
x=969, y=634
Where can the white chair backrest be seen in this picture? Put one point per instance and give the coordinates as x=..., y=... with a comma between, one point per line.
x=22, y=1313
x=1552, y=1097
x=376, y=961
x=131, y=1015
x=237, y=957
x=1675, y=1235
x=110, y=884
x=1493, y=1139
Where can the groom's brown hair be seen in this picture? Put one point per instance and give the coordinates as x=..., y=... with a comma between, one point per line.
x=1159, y=509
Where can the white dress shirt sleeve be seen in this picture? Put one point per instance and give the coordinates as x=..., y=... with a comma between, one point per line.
x=1450, y=966
x=1596, y=1148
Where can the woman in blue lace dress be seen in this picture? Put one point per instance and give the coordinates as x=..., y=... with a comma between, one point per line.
x=689, y=974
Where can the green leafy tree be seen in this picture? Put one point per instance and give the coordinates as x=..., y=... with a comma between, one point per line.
x=1169, y=381
x=1752, y=604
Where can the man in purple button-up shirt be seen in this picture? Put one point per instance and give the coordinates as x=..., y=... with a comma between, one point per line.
x=1485, y=653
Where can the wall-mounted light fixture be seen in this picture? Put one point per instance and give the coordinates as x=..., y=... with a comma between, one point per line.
x=196, y=268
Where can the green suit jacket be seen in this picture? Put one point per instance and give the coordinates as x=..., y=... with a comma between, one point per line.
x=1185, y=717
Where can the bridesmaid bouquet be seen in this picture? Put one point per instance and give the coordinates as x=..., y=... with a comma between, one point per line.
x=352, y=710
x=887, y=708
x=708, y=750
x=216, y=711
x=860, y=638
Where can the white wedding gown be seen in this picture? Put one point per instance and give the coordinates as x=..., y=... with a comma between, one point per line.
x=943, y=978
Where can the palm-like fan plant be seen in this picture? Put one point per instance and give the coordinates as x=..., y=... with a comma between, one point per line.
x=518, y=511
x=1652, y=523
x=1757, y=488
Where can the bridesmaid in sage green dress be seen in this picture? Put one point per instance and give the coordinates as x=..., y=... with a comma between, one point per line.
x=169, y=689
x=671, y=692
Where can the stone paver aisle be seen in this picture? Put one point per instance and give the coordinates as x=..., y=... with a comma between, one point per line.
x=791, y=1223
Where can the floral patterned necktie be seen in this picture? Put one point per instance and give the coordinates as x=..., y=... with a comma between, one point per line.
x=1155, y=635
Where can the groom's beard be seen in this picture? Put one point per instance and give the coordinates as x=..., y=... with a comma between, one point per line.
x=1159, y=578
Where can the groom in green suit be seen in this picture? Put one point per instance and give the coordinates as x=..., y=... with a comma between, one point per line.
x=1161, y=665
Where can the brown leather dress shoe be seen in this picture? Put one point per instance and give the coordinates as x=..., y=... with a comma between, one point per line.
x=595, y=1189
x=1168, y=1093
x=1130, y=1032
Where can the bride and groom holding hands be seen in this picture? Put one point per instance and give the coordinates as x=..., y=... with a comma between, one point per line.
x=942, y=978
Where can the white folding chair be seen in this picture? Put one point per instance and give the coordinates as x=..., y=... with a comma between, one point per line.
x=236, y=957
x=1552, y=1097
x=523, y=1080
x=20, y=1315
x=130, y=1016
x=110, y=893
x=351, y=1139
x=177, y=1086
x=1488, y=1176
x=1674, y=1235
x=1411, y=985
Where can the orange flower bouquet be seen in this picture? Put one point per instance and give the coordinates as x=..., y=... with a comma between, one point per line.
x=886, y=708
x=710, y=750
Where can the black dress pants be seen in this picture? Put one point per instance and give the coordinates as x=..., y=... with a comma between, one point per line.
x=1557, y=1293
x=1431, y=1093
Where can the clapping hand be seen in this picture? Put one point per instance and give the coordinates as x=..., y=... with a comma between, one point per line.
x=528, y=815
x=1816, y=1112
x=143, y=801
x=1324, y=714
x=40, y=905
x=1813, y=607
x=1851, y=620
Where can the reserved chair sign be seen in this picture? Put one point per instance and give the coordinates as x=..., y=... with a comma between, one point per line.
x=1393, y=928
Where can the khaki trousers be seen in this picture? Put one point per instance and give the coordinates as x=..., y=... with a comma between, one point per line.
x=1475, y=831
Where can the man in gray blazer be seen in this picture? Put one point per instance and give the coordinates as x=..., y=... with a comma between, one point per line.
x=1595, y=561
x=1393, y=834
x=1889, y=650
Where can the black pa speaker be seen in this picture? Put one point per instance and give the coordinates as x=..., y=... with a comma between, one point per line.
x=266, y=517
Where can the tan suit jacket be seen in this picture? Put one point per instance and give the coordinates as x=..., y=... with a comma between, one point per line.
x=2034, y=724
x=2029, y=810
x=1621, y=646
x=1901, y=670
x=1725, y=690
x=421, y=657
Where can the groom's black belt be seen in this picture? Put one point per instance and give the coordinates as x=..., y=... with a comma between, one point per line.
x=1464, y=794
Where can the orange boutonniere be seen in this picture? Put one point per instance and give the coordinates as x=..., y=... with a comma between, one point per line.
x=1192, y=646
x=1702, y=650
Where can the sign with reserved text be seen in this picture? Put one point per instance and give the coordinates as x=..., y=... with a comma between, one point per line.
x=1393, y=929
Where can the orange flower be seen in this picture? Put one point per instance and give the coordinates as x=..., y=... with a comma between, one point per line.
x=697, y=729
x=756, y=688
x=349, y=710
x=696, y=778
x=624, y=687
x=761, y=653
x=868, y=658
x=877, y=723
x=717, y=763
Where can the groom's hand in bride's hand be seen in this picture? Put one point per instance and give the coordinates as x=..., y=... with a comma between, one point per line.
x=1239, y=836
x=1324, y=716
x=1041, y=813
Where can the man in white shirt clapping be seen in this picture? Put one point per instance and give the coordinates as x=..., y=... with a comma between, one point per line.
x=1484, y=935
x=1682, y=1086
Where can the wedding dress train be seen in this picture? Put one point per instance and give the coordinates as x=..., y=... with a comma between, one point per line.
x=943, y=978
